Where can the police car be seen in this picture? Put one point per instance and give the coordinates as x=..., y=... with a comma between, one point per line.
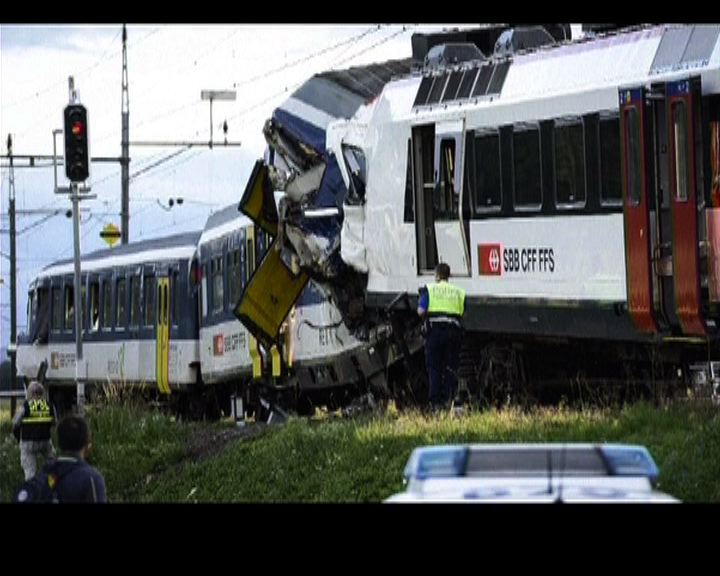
x=531, y=473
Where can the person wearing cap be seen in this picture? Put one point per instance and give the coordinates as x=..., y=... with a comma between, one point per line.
x=442, y=304
x=32, y=425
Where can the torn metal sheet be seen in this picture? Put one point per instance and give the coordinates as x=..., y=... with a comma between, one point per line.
x=310, y=215
x=301, y=185
x=268, y=297
x=258, y=200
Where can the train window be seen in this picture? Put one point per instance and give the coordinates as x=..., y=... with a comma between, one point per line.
x=234, y=277
x=527, y=177
x=69, y=309
x=41, y=321
x=243, y=267
x=83, y=303
x=680, y=148
x=94, y=306
x=135, y=301
x=632, y=155
x=204, y=302
x=106, y=320
x=57, y=309
x=409, y=214
x=31, y=306
x=610, y=188
x=357, y=170
x=250, y=257
x=216, y=271
x=445, y=202
x=120, y=308
x=488, y=183
x=569, y=164
x=149, y=292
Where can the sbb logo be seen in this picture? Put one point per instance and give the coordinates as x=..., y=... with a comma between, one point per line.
x=218, y=345
x=490, y=257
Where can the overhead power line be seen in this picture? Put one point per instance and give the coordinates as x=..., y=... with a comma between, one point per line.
x=304, y=59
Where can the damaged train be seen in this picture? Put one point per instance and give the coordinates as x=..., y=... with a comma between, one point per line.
x=572, y=186
x=157, y=315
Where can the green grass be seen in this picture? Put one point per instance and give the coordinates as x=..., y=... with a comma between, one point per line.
x=129, y=446
x=146, y=456
x=362, y=460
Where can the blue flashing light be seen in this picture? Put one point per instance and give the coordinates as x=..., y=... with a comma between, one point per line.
x=629, y=460
x=436, y=462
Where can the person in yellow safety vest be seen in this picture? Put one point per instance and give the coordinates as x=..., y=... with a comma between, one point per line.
x=442, y=305
x=31, y=426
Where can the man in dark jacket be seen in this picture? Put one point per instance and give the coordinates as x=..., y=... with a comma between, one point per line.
x=74, y=479
x=31, y=425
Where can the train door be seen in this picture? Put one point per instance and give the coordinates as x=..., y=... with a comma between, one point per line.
x=634, y=162
x=162, y=334
x=658, y=160
x=660, y=210
x=423, y=143
x=682, y=111
x=452, y=246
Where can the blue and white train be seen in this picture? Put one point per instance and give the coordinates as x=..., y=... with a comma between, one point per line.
x=158, y=314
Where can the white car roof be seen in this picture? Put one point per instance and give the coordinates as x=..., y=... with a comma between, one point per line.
x=531, y=473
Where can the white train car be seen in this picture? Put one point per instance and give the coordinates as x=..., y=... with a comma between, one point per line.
x=573, y=188
x=138, y=320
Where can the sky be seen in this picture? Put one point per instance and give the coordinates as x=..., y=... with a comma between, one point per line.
x=168, y=67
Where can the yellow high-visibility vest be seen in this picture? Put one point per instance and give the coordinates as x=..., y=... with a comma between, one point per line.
x=445, y=299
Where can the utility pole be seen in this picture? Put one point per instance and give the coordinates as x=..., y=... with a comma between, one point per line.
x=12, y=347
x=80, y=385
x=125, y=153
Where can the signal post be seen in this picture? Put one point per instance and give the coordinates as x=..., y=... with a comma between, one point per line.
x=77, y=170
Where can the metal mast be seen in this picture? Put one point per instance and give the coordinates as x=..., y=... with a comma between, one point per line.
x=13, y=271
x=125, y=156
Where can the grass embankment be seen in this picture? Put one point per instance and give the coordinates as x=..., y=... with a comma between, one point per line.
x=129, y=445
x=149, y=457
x=362, y=460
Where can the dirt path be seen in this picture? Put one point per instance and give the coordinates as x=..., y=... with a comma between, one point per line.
x=207, y=443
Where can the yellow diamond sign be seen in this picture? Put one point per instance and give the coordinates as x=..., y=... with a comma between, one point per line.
x=110, y=233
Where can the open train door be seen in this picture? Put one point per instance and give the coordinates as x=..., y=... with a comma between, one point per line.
x=162, y=334
x=421, y=160
x=683, y=109
x=635, y=175
x=452, y=245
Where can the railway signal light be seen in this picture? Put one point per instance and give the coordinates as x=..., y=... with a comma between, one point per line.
x=77, y=157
